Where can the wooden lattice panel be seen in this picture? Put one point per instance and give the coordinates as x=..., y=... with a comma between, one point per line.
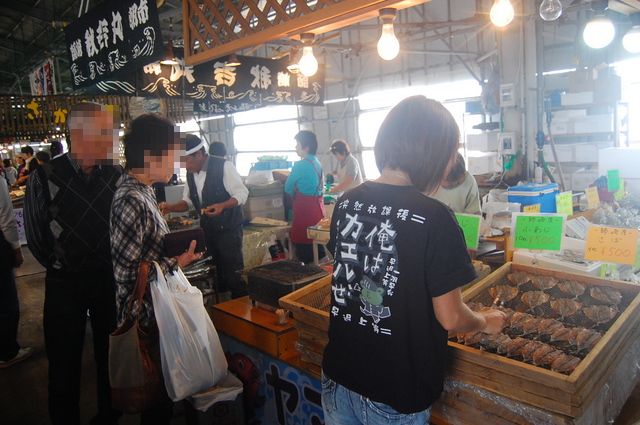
x=214, y=28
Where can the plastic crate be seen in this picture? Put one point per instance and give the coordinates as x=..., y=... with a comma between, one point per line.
x=274, y=164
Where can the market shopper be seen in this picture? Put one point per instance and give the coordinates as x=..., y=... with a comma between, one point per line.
x=10, y=258
x=459, y=190
x=27, y=155
x=216, y=192
x=67, y=208
x=400, y=260
x=10, y=172
x=305, y=186
x=151, y=148
x=218, y=150
x=348, y=170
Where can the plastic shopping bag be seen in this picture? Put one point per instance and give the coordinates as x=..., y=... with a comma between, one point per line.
x=190, y=350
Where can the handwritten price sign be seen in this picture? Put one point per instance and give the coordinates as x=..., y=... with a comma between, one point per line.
x=470, y=225
x=539, y=232
x=611, y=244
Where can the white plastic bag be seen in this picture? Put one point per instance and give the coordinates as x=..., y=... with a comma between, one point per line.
x=190, y=350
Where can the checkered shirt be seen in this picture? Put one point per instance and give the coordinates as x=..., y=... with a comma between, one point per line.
x=137, y=232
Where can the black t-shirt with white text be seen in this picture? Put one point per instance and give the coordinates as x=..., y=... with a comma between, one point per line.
x=394, y=249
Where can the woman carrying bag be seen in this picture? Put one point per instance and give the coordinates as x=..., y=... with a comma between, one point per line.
x=152, y=146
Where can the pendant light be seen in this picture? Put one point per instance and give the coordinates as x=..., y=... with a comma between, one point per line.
x=550, y=10
x=169, y=55
x=388, y=44
x=233, y=60
x=501, y=13
x=308, y=64
x=599, y=31
x=631, y=40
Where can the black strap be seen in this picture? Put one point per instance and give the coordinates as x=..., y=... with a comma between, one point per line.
x=320, y=175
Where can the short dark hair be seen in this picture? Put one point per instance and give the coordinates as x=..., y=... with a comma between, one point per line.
x=341, y=147
x=193, y=140
x=43, y=156
x=457, y=172
x=307, y=140
x=419, y=136
x=217, y=149
x=6, y=162
x=56, y=148
x=28, y=150
x=147, y=134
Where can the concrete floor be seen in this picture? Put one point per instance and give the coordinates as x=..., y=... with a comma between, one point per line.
x=23, y=387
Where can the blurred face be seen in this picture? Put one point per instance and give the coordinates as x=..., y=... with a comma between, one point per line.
x=160, y=168
x=194, y=162
x=452, y=162
x=302, y=152
x=94, y=137
x=339, y=156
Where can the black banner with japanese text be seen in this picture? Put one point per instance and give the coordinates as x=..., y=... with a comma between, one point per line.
x=217, y=87
x=115, y=38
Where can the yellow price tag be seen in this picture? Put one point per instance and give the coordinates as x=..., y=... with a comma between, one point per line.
x=535, y=208
x=593, y=198
x=620, y=193
x=564, y=203
x=611, y=244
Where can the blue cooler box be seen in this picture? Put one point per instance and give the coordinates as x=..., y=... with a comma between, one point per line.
x=532, y=193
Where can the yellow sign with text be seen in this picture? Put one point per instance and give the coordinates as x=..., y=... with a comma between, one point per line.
x=611, y=244
x=593, y=198
x=535, y=208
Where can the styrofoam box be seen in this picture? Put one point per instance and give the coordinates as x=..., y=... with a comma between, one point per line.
x=565, y=153
x=627, y=160
x=561, y=127
x=482, y=163
x=602, y=123
x=569, y=114
x=484, y=142
x=581, y=179
x=588, y=152
x=582, y=98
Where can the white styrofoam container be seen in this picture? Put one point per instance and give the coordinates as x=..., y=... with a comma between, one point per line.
x=484, y=142
x=581, y=179
x=627, y=160
x=565, y=153
x=482, y=163
x=588, y=152
x=561, y=127
x=602, y=123
x=571, y=99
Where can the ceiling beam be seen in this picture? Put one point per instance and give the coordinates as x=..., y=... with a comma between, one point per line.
x=32, y=12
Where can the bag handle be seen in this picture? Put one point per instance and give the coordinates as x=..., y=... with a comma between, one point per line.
x=141, y=283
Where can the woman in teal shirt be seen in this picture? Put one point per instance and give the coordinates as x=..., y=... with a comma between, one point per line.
x=304, y=185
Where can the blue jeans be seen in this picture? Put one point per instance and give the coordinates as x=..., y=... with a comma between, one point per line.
x=344, y=407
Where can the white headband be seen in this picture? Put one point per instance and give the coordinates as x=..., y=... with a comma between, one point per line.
x=194, y=149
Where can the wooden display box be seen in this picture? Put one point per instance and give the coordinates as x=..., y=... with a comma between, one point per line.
x=310, y=307
x=567, y=395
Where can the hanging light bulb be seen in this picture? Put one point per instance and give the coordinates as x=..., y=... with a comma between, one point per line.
x=388, y=44
x=501, y=13
x=550, y=10
x=631, y=40
x=599, y=32
x=308, y=64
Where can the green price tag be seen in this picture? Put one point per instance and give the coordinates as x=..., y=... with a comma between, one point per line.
x=613, y=180
x=542, y=232
x=470, y=225
x=620, y=193
x=564, y=203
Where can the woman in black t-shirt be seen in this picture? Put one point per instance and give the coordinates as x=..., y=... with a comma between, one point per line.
x=400, y=260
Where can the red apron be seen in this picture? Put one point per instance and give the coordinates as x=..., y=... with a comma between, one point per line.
x=307, y=211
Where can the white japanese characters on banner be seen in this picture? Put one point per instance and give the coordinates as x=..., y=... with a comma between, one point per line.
x=116, y=37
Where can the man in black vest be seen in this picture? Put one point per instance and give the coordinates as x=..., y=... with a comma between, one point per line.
x=67, y=207
x=215, y=190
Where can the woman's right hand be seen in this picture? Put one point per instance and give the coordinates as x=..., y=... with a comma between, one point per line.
x=189, y=256
x=495, y=321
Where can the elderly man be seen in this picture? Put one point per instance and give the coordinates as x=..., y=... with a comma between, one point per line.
x=215, y=190
x=67, y=211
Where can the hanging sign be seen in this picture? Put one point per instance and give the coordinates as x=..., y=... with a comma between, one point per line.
x=593, y=198
x=470, y=225
x=42, y=79
x=115, y=38
x=564, y=203
x=542, y=232
x=613, y=180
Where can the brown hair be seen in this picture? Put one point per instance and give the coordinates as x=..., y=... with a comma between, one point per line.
x=457, y=173
x=341, y=147
x=419, y=136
